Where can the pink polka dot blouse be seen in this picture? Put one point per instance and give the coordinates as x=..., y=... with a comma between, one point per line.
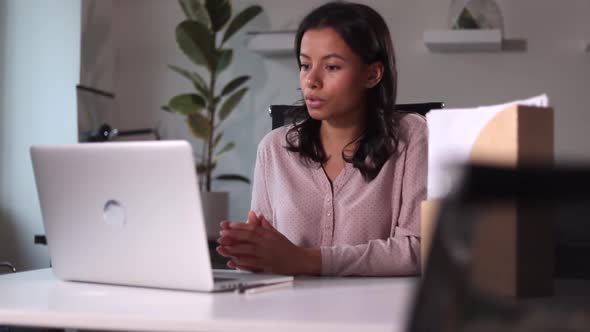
x=361, y=228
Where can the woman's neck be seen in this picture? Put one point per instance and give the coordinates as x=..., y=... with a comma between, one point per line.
x=336, y=135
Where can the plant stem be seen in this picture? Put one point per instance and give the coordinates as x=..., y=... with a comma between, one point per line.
x=211, y=108
x=203, y=162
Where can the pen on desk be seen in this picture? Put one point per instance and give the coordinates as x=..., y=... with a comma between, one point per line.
x=264, y=288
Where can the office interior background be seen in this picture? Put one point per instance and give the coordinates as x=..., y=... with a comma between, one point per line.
x=123, y=46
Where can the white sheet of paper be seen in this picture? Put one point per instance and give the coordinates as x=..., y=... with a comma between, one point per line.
x=451, y=135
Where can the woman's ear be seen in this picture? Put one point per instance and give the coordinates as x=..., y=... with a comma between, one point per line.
x=374, y=74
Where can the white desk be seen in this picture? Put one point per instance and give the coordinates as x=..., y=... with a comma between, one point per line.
x=37, y=298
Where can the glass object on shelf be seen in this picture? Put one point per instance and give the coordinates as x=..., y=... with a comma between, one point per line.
x=475, y=14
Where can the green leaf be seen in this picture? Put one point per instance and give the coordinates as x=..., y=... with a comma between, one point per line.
x=217, y=140
x=185, y=9
x=234, y=84
x=183, y=72
x=224, y=58
x=196, y=42
x=198, y=81
x=466, y=20
x=233, y=177
x=186, y=104
x=228, y=147
x=216, y=100
x=199, y=125
x=194, y=10
x=230, y=103
x=240, y=20
x=202, y=167
x=219, y=13
x=199, y=84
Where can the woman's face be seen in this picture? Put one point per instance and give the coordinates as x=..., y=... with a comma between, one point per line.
x=333, y=78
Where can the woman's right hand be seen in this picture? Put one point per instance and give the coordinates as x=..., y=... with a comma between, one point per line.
x=251, y=224
x=257, y=246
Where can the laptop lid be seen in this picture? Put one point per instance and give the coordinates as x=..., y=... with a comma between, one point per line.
x=123, y=213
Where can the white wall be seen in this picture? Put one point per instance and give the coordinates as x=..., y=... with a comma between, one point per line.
x=142, y=33
x=39, y=68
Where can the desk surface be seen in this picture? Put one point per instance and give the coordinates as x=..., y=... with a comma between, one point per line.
x=37, y=298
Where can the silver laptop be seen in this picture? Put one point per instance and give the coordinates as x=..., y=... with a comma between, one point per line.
x=129, y=213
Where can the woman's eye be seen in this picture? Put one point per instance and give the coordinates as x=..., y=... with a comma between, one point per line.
x=332, y=67
x=304, y=66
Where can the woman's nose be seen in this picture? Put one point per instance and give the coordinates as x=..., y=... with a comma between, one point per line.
x=312, y=80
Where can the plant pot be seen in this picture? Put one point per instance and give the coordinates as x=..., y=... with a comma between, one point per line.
x=215, y=209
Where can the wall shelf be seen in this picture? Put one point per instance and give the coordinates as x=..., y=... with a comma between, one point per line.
x=463, y=40
x=271, y=42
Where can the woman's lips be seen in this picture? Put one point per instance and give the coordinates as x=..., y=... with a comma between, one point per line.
x=314, y=102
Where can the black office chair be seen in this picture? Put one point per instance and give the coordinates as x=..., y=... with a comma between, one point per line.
x=8, y=266
x=279, y=113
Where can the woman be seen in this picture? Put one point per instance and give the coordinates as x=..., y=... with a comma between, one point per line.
x=338, y=192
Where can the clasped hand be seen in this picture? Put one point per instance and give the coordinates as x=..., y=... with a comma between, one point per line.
x=258, y=247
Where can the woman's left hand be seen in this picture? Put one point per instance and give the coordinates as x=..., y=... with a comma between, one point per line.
x=257, y=246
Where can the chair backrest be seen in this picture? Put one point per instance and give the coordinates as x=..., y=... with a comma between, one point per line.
x=279, y=116
x=7, y=266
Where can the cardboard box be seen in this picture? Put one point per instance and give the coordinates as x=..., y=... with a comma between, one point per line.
x=513, y=252
x=429, y=211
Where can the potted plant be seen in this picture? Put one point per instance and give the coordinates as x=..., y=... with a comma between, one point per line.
x=202, y=37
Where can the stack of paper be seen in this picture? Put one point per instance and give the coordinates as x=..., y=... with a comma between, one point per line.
x=451, y=135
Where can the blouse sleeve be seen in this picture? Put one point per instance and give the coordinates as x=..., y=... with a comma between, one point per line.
x=261, y=204
x=399, y=254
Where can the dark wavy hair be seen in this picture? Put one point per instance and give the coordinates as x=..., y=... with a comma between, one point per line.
x=366, y=33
